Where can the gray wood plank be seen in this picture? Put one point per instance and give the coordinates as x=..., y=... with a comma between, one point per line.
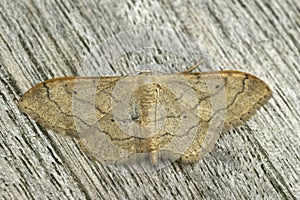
x=42, y=40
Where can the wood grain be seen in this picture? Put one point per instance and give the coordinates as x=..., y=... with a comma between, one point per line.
x=44, y=40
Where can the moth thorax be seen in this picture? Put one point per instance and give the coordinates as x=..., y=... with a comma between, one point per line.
x=147, y=98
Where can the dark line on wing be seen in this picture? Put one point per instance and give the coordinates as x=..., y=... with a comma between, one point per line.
x=59, y=108
x=234, y=99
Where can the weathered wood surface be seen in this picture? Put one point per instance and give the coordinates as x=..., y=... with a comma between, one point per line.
x=42, y=40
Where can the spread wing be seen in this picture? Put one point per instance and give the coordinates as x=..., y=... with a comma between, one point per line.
x=178, y=113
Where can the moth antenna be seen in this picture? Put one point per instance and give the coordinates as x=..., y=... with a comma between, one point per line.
x=189, y=70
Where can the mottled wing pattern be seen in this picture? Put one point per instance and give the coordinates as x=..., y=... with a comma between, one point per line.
x=180, y=114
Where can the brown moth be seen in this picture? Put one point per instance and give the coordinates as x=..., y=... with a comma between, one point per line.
x=174, y=116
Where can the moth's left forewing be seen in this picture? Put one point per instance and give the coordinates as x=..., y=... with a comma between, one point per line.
x=49, y=103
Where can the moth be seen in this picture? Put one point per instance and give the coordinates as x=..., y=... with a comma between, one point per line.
x=151, y=116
